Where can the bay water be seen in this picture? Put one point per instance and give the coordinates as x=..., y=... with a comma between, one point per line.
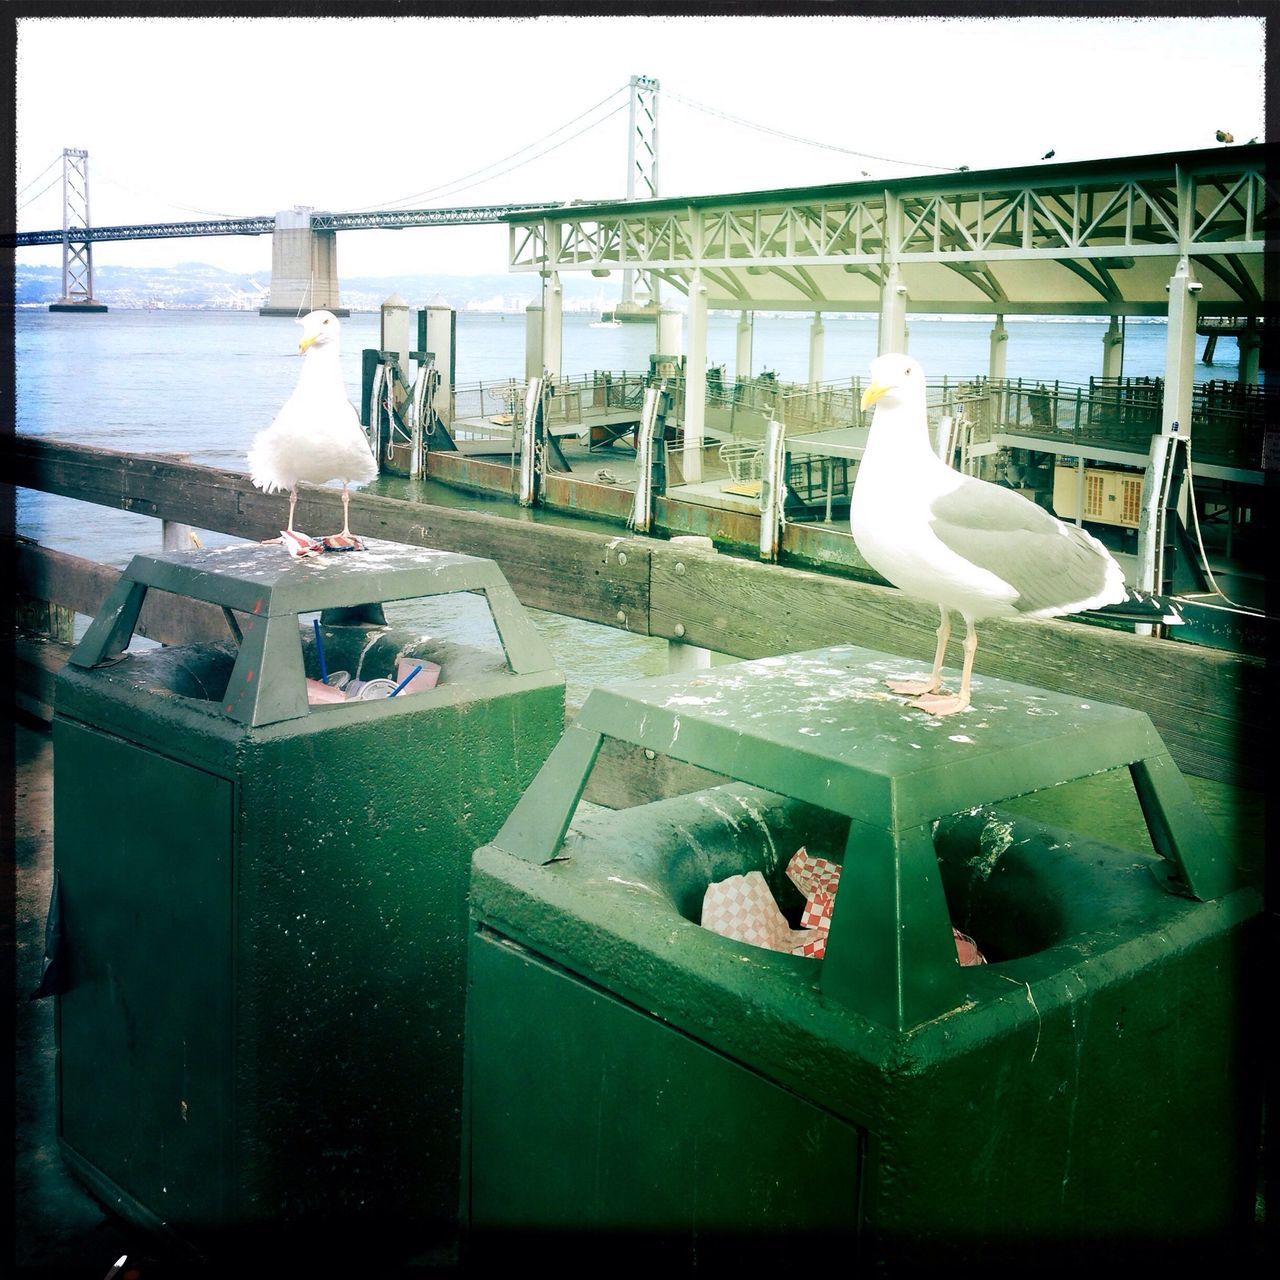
x=203, y=383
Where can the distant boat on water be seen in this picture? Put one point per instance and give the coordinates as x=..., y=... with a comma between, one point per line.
x=608, y=320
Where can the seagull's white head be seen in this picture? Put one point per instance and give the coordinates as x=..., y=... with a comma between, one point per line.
x=319, y=329
x=896, y=379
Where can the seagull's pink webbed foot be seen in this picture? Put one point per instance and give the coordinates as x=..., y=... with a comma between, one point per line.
x=913, y=687
x=941, y=703
x=346, y=540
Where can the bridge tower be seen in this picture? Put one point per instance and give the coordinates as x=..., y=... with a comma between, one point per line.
x=640, y=288
x=77, y=248
x=304, y=267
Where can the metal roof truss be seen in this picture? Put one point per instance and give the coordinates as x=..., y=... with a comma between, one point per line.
x=1058, y=238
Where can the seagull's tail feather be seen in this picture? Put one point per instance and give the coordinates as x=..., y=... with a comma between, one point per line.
x=1141, y=606
x=262, y=469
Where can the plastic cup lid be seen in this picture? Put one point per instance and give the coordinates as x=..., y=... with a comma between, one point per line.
x=375, y=689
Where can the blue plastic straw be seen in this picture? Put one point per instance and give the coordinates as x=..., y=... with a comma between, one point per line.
x=405, y=681
x=324, y=670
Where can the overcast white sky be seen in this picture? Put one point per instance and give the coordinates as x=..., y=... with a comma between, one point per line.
x=188, y=117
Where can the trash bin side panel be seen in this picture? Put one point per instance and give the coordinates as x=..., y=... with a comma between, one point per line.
x=132, y=701
x=1126, y=1111
x=143, y=854
x=354, y=869
x=586, y=1114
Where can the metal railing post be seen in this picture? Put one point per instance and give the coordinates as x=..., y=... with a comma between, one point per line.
x=772, y=489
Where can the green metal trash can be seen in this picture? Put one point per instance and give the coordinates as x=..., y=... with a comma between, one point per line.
x=639, y=1084
x=264, y=899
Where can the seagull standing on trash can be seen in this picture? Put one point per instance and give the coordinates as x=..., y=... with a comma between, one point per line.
x=317, y=435
x=958, y=542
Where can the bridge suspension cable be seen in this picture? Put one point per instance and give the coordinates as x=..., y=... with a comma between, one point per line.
x=451, y=187
x=151, y=195
x=52, y=163
x=793, y=137
x=455, y=190
x=53, y=182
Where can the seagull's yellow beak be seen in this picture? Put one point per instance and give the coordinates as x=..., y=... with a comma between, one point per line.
x=873, y=393
x=305, y=343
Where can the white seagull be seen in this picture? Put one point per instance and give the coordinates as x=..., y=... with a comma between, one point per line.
x=317, y=435
x=961, y=543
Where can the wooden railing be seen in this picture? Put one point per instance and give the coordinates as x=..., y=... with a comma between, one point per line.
x=1210, y=706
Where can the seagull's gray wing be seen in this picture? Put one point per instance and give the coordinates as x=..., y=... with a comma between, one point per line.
x=1051, y=565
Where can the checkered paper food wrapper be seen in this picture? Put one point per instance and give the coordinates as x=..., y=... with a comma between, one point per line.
x=743, y=908
x=817, y=879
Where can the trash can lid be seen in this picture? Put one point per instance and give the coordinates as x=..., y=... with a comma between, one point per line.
x=261, y=578
x=262, y=590
x=821, y=727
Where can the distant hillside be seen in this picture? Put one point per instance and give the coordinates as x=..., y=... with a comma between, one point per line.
x=198, y=285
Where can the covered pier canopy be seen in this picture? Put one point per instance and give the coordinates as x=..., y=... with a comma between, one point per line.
x=1098, y=237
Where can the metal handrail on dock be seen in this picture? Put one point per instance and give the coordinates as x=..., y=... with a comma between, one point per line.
x=1229, y=420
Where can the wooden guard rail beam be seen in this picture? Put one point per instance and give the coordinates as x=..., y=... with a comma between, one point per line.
x=1208, y=705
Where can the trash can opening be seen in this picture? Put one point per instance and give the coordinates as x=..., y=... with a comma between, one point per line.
x=197, y=671
x=364, y=652
x=1021, y=887
x=745, y=831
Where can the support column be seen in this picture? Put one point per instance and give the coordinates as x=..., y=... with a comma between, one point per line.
x=533, y=341
x=552, y=327
x=439, y=322
x=304, y=267
x=1180, y=349
x=695, y=380
x=177, y=537
x=997, y=362
x=1113, y=350
x=670, y=333
x=817, y=350
x=77, y=248
x=893, y=293
x=324, y=273
x=1250, y=340
x=742, y=361
x=893, y=314
x=400, y=455
x=394, y=331
x=1175, y=422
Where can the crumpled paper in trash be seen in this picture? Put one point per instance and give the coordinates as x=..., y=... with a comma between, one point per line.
x=743, y=908
x=817, y=879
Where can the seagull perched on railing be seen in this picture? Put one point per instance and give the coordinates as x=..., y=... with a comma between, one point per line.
x=317, y=435
x=959, y=542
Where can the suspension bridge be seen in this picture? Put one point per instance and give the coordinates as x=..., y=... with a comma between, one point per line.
x=304, y=261
x=304, y=256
